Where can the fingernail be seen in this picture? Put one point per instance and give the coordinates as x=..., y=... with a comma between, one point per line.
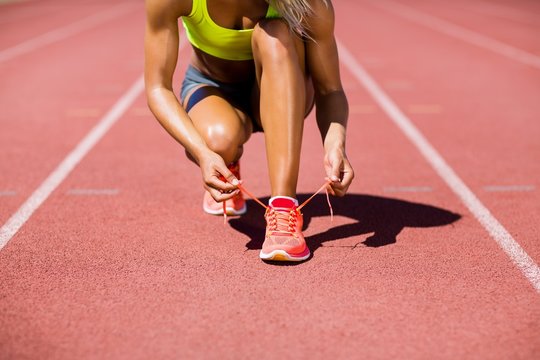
x=235, y=182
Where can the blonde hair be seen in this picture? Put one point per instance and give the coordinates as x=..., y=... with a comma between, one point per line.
x=294, y=12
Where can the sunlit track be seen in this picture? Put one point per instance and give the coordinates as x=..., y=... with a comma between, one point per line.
x=106, y=252
x=26, y=11
x=41, y=194
x=506, y=12
x=505, y=240
x=64, y=32
x=459, y=32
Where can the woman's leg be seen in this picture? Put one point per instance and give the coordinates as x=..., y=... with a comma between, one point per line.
x=224, y=128
x=285, y=96
x=285, y=93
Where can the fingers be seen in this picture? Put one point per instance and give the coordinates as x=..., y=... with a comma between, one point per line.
x=220, y=189
x=340, y=186
x=220, y=196
x=220, y=181
x=216, y=181
x=335, y=172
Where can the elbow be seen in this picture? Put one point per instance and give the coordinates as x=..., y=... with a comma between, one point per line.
x=150, y=103
x=153, y=95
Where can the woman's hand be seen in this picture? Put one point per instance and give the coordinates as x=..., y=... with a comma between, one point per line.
x=338, y=170
x=217, y=178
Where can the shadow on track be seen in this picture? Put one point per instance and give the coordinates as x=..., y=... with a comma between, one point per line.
x=384, y=217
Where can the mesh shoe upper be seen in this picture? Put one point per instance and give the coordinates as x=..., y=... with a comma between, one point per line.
x=284, y=229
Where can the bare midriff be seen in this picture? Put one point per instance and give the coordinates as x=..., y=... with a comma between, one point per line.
x=228, y=71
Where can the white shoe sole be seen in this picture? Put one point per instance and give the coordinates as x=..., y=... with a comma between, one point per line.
x=230, y=211
x=282, y=255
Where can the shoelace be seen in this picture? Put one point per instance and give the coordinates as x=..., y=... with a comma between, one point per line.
x=291, y=213
x=282, y=221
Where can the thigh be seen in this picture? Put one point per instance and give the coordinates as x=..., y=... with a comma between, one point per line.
x=301, y=53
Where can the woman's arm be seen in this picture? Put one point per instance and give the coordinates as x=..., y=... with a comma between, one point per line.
x=161, y=55
x=331, y=102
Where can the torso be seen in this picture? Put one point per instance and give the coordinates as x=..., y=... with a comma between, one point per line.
x=235, y=15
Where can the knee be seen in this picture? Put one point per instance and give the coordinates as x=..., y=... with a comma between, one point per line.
x=224, y=141
x=273, y=38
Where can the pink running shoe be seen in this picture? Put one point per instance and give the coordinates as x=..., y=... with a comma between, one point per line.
x=235, y=206
x=284, y=240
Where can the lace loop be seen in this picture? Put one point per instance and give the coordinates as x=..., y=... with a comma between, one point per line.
x=325, y=188
x=281, y=221
x=291, y=215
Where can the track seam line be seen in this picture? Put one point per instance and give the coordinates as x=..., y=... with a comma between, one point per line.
x=64, y=32
x=38, y=197
x=503, y=12
x=497, y=231
x=17, y=220
x=459, y=32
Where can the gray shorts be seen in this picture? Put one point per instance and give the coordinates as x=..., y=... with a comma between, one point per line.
x=238, y=94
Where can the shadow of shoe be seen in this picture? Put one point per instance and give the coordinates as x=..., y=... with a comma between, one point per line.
x=384, y=217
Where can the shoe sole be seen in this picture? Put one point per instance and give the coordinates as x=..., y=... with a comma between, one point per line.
x=229, y=210
x=282, y=255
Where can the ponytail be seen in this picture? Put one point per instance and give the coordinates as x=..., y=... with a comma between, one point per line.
x=294, y=13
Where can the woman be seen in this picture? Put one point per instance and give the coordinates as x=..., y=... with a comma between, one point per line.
x=257, y=65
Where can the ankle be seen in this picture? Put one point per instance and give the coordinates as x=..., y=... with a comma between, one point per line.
x=283, y=201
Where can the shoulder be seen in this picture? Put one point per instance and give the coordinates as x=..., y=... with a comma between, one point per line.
x=320, y=23
x=158, y=11
x=321, y=6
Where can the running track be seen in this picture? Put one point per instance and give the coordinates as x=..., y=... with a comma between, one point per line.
x=433, y=254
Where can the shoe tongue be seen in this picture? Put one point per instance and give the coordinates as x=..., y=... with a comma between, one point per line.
x=282, y=202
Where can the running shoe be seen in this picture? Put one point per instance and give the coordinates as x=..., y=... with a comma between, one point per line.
x=284, y=240
x=233, y=207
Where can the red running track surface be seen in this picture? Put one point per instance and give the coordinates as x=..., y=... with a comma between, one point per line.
x=120, y=262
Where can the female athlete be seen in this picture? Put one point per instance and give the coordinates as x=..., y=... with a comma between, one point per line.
x=256, y=65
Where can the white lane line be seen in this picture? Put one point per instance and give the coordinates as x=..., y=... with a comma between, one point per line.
x=6, y=193
x=64, y=32
x=458, y=32
x=10, y=228
x=509, y=188
x=507, y=243
x=487, y=8
x=408, y=189
x=93, y=192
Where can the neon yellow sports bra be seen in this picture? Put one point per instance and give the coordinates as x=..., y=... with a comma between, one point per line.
x=203, y=33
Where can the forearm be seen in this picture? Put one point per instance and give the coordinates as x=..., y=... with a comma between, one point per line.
x=170, y=114
x=332, y=115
